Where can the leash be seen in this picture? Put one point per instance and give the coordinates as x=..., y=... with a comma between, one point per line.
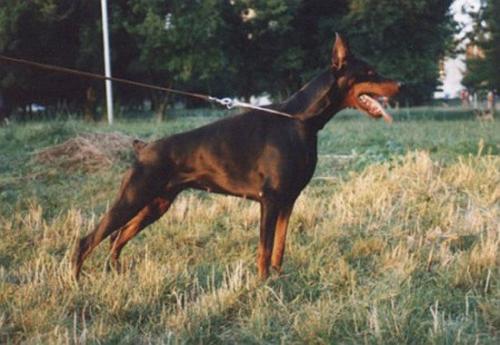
x=234, y=103
x=225, y=102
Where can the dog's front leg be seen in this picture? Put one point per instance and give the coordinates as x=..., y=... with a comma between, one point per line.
x=269, y=210
x=280, y=237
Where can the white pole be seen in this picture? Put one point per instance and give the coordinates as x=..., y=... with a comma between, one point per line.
x=107, y=60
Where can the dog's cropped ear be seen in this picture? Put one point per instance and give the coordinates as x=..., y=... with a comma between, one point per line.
x=340, y=52
x=138, y=145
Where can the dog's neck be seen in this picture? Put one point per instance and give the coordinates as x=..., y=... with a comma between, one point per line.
x=316, y=102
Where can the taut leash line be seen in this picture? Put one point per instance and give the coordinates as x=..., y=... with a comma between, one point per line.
x=99, y=76
x=226, y=102
x=234, y=103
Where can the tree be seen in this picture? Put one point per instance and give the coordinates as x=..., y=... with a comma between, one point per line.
x=482, y=60
x=46, y=31
x=260, y=45
x=405, y=39
x=177, y=44
x=234, y=48
x=314, y=26
x=493, y=46
x=9, y=14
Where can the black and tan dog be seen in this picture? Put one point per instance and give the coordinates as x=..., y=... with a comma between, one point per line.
x=255, y=155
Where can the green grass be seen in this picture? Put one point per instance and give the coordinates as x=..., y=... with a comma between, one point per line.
x=395, y=241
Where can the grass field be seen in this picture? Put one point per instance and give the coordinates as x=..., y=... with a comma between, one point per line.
x=395, y=241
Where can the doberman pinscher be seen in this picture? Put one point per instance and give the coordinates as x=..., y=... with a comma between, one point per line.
x=255, y=155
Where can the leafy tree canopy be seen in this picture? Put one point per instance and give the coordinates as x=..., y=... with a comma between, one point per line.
x=234, y=47
x=483, y=71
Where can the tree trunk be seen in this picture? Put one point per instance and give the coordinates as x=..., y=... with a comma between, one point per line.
x=3, y=110
x=159, y=104
x=491, y=102
x=89, y=111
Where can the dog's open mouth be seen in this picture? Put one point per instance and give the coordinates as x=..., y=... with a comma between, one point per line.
x=371, y=106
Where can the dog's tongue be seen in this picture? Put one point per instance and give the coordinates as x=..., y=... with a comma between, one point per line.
x=375, y=108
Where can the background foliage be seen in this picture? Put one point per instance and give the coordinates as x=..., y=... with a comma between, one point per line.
x=234, y=48
x=484, y=72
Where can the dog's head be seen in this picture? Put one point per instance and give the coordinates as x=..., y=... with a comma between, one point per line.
x=359, y=83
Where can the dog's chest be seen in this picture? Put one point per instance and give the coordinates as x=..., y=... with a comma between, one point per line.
x=301, y=162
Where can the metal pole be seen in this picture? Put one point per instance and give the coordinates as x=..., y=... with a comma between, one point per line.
x=107, y=61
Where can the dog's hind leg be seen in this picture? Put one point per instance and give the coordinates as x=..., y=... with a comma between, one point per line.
x=138, y=190
x=145, y=217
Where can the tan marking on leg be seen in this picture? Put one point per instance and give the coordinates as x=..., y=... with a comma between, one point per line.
x=280, y=239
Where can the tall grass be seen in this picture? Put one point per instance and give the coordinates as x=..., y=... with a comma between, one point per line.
x=401, y=246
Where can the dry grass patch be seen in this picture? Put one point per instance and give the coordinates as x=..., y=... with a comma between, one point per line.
x=86, y=151
x=402, y=252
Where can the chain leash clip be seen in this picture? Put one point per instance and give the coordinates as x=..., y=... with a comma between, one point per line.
x=225, y=102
